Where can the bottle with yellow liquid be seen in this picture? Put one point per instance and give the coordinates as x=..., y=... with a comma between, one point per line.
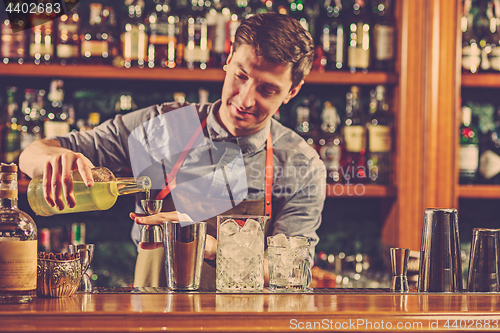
x=101, y=196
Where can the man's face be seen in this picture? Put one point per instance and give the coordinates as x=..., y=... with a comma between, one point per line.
x=253, y=91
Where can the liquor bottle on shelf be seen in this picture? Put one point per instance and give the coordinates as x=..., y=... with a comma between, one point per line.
x=11, y=128
x=333, y=31
x=196, y=52
x=218, y=18
x=68, y=39
x=13, y=47
x=297, y=10
x=304, y=125
x=31, y=128
x=134, y=37
x=110, y=23
x=468, y=153
x=163, y=28
x=494, y=41
x=94, y=42
x=358, y=40
x=56, y=122
x=330, y=142
x=18, y=245
x=41, y=48
x=353, y=161
x=471, y=53
x=383, y=36
x=380, y=128
x=489, y=158
x=486, y=25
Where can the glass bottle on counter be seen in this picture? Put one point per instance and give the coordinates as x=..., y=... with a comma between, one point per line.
x=134, y=37
x=197, y=52
x=11, y=128
x=468, y=153
x=333, y=29
x=354, y=132
x=101, y=196
x=379, y=127
x=18, y=243
x=68, y=39
x=330, y=142
x=358, y=49
x=13, y=46
x=383, y=36
x=471, y=53
x=57, y=120
x=94, y=45
x=163, y=27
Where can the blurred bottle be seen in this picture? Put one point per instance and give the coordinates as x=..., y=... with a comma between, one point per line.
x=13, y=47
x=41, y=47
x=31, y=128
x=383, y=35
x=134, y=37
x=94, y=38
x=486, y=25
x=333, y=34
x=468, y=153
x=298, y=11
x=358, y=51
x=489, y=158
x=494, y=39
x=354, y=132
x=330, y=142
x=471, y=53
x=68, y=39
x=56, y=123
x=380, y=128
x=44, y=240
x=92, y=121
x=11, y=128
x=108, y=19
x=163, y=34
x=197, y=52
x=78, y=233
x=304, y=125
x=218, y=18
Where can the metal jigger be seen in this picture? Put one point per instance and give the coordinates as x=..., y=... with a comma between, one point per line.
x=86, y=252
x=399, y=264
x=151, y=233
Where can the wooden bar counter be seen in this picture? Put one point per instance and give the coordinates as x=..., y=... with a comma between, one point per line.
x=323, y=310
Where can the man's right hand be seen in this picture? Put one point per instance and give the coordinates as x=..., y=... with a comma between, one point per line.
x=56, y=163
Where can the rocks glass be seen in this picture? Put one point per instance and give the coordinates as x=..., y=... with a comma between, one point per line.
x=240, y=253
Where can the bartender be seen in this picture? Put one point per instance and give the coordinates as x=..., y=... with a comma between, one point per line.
x=226, y=158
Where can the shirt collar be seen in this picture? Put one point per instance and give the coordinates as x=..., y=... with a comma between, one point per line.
x=248, y=143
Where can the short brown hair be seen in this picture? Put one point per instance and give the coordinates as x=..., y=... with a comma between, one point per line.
x=278, y=39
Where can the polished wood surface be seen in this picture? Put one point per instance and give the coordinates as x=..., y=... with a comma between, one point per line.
x=484, y=80
x=211, y=312
x=479, y=191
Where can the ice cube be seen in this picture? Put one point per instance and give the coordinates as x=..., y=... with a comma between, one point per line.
x=298, y=241
x=252, y=228
x=280, y=240
x=229, y=227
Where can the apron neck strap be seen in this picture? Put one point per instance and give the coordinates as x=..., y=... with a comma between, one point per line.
x=170, y=180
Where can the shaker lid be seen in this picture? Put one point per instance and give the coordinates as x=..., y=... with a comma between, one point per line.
x=8, y=167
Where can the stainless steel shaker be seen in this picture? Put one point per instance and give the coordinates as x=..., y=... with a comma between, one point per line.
x=440, y=267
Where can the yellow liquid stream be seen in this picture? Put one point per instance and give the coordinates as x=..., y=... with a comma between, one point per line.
x=101, y=196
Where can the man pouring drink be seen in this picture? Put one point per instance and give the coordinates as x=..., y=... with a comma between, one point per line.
x=226, y=158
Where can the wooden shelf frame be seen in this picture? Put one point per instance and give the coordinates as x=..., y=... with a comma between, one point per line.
x=481, y=80
x=479, y=192
x=179, y=74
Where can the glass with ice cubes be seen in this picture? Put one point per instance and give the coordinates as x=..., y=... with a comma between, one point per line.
x=288, y=259
x=240, y=253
